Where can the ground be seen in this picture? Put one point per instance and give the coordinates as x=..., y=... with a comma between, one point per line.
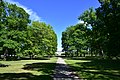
x=95, y=69
x=63, y=71
x=27, y=69
x=48, y=69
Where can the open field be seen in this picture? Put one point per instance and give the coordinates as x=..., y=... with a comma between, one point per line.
x=95, y=69
x=27, y=69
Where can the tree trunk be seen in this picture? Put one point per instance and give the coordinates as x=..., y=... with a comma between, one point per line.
x=5, y=54
x=77, y=53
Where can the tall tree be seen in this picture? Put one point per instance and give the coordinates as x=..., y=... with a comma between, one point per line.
x=95, y=35
x=109, y=13
x=74, y=41
x=41, y=40
x=14, y=22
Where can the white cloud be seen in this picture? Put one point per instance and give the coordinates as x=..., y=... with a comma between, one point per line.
x=81, y=22
x=85, y=23
x=33, y=15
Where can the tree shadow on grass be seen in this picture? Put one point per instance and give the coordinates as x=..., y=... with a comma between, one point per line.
x=99, y=69
x=23, y=76
x=3, y=65
x=46, y=68
x=38, y=58
x=103, y=64
x=83, y=58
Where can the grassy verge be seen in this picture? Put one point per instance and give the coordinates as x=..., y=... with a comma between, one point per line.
x=27, y=69
x=95, y=69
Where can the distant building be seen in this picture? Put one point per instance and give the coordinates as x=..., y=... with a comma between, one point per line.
x=59, y=53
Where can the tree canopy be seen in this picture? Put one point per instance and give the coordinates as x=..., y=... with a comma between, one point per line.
x=19, y=38
x=100, y=31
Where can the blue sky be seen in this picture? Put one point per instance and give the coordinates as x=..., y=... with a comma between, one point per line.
x=58, y=13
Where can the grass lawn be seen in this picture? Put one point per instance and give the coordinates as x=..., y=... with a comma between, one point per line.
x=27, y=69
x=95, y=69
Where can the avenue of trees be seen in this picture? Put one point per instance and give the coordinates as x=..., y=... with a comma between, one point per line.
x=99, y=35
x=21, y=37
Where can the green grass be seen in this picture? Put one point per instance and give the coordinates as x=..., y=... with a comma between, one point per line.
x=27, y=69
x=95, y=69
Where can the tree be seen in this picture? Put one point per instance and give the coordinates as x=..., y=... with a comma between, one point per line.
x=95, y=35
x=109, y=13
x=41, y=40
x=73, y=40
x=14, y=22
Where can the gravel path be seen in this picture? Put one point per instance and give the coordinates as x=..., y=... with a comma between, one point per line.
x=63, y=72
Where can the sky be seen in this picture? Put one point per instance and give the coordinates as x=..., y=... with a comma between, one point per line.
x=60, y=14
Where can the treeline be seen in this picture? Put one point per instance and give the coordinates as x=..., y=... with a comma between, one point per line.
x=21, y=37
x=99, y=35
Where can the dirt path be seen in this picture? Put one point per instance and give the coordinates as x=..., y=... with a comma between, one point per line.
x=63, y=72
